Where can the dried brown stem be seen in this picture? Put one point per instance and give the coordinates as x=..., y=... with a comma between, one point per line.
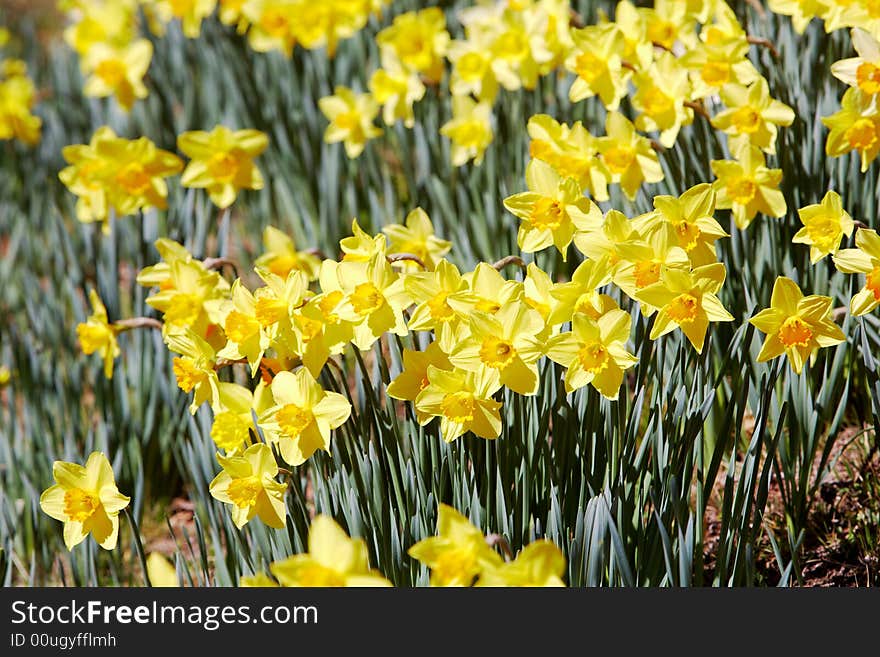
x=412, y=257
x=510, y=260
x=137, y=322
x=499, y=540
x=764, y=43
x=698, y=108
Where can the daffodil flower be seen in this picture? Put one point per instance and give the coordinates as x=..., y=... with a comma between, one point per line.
x=597, y=63
x=97, y=335
x=644, y=259
x=661, y=91
x=863, y=71
x=470, y=130
x=333, y=559
x=864, y=259
x=463, y=402
x=796, y=325
x=118, y=72
x=687, y=300
x=855, y=127
x=800, y=11
x=752, y=115
x=396, y=91
x=594, y=352
x=418, y=40
x=825, y=225
x=629, y=157
x=247, y=483
x=407, y=385
x=540, y=563
x=280, y=255
x=86, y=500
x=458, y=554
x=417, y=237
x=746, y=186
x=222, y=161
x=552, y=211
x=303, y=416
x=351, y=119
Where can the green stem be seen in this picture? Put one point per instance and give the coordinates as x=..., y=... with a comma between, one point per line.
x=136, y=534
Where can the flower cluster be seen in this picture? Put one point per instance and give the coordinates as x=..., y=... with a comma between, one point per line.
x=121, y=176
x=115, y=59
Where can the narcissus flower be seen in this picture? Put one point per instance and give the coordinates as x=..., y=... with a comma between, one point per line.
x=86, y=500
x=222, y=161
x=660, y=94
x=540, y=563
x=856, y=127
x=628, y=156
x=351, y=119
x=458, y=554
x=190, y=13
x=416, y=236
x=414, y=378
x=746, y=186
x=687, y=300
x=552, y=210
x=396, y=91
x=97, y=335
x=233, y=421
x=505, y=342
x=280, y=255
x=194, y=368
x=796, y=325
x=825, y=225
x=118, y=72
x=863, y=71
x=643, y=259
x=571, y=151
x=431, y=291
x=303, y=416
x=470, y=130
x=713, y=65
x=271, y=24
x=17, y=100
x=161, y=572
x=418, y=40
x=690, y=216
x=333, y=559
x=84, y=177
x=801, y=11
x=463, y=402
x=752, y=115
x=596, y=61
x=864, y=259
x=594, y=352
x=247, y=483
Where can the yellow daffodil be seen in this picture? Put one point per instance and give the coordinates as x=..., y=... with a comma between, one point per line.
x=488, y=291
x=17, y=100
x=551, y=211
x=825, y=225
x=796, y=325
x=605, y=242
x=661, y=91
x=537, y=293
x=713, y=65
x=360, y=246
x=472, y=70
x=351, y=119
x=418, y=40
x=222, y=161
x=855, y=127
x=244, y=331
x=259, y=580
x=194, y=368
x=800, y=11
x=271, y=24
x=85, y=177
x=416, y=236
x=690, y=215
x=864, y=259
x=752, y=115
x=190, y=13
x=571, y=151
x=191, y=297
x=396, y=91
x=629, y=157
x=161, y=572
x=118, y=72
x=470, y=130
x=642, y=261
x=594, y=352
x=540, y=563
x=463, y=402
x=303, y=416
x=596, y=61
x=506, y=342
x=407, y=385
x=333, y=559
x=280, y=255
x=113, y=23
x=431, y=291
x=862, y=72
x=135, y=173
x=97, y=335
x=458, y=554
x=746, y=186
x=86, y=500
x=375, y=298
x=581, y=294
x=687, y=300
x=233, y=423
x=668, y=24
x=518, y=50
x=247, y=483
